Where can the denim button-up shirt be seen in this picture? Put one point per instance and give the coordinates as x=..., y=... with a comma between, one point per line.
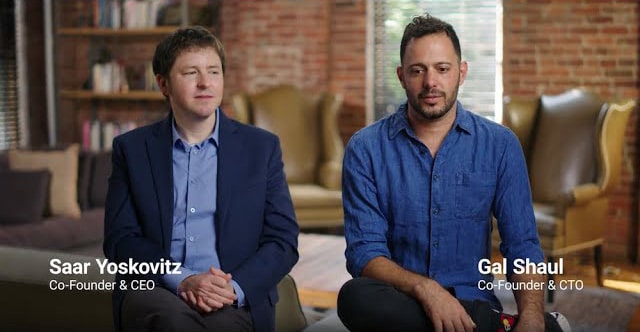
x=431, y=215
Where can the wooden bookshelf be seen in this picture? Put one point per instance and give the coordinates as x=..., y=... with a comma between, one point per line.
x=131, y=95
x=90, y=42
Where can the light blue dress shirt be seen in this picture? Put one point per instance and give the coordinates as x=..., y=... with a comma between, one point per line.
x=193, y=240
x=433, y=215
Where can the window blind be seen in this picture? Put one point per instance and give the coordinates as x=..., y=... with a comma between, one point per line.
x=478, y=24
x=9, y=135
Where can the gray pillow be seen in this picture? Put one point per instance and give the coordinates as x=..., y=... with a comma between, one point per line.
x=23, y=196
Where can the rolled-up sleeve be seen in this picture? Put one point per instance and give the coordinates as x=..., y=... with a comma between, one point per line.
x=365, y=225
x=514, y=207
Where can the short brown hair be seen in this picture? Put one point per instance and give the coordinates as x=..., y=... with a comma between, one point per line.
x=193, y=37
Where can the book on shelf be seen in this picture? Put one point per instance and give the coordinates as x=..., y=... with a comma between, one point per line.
x=113, y=76
x=98, y=135
x=128, y=14
x=109, y=77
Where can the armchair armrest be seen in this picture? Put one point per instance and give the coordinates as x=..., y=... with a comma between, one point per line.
x=580, y=195
x=585, y=193
x=240, y=106
x=330, y=174
x=330, y=170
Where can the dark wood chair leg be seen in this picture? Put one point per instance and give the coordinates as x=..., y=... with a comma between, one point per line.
x=550, y=259
x=597, y=257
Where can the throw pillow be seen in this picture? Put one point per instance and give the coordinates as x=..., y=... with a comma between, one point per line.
x=23, y=196
x=63, y=165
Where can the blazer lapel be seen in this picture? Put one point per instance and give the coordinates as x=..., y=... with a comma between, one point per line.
x=159, y=151
x=229, y=157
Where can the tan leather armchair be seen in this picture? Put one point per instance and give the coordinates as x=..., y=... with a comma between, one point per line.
x=311, y=147
x=573, y=145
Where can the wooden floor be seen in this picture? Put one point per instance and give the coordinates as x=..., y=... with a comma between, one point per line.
x=321, y=271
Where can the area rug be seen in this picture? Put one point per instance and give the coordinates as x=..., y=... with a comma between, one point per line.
x=588, y=309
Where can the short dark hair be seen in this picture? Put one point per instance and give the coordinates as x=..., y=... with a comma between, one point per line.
x=427, y=25
x=190, y=38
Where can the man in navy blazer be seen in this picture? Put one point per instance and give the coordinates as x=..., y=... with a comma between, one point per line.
x=203, y=192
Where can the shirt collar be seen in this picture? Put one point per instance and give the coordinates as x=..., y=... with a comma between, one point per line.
x=400, y=122
x=213, y=138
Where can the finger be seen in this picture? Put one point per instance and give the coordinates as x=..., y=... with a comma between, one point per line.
x=448, y=326
x=437, y=325
x=203, y=304
x=213, y=303
x=224, y=298
x=192, y=298
x=469, y=324
x=221, y=295
x=227, y=292
x=219, y=273
x=457, y=324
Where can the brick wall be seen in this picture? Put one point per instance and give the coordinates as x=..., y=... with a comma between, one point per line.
x=551, y=46
x=314, y=45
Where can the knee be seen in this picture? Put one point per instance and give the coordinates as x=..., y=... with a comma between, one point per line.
x=357, y=295
x=351, y=293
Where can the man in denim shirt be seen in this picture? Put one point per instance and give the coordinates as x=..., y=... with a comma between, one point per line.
x=419, y=189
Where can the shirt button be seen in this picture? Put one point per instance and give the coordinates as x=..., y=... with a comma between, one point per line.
x=190, y=238
x=436, y=211
x=435, y=177
x=192, y=210
x=435, y=244
x=192, y=181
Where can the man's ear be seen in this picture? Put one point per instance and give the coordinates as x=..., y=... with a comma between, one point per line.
x=163, y=84
x=464, y=68
x=400, y=74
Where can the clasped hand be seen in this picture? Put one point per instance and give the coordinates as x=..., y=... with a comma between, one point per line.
x=208, y=291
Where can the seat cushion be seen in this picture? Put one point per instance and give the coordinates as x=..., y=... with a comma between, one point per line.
x=314, y=196
x=56, y=233
x=550, y=228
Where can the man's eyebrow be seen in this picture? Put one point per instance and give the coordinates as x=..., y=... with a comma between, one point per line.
x=422, y=65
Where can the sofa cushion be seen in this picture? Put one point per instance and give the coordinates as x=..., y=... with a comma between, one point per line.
x=23, y=196
x=63, y=165
x=85, y=163
x=56, y=233
x=100, y=172
x=4, y=161
x=310, y=196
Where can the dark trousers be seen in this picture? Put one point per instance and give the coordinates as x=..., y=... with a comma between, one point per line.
x=366, y=304
x=161, y=310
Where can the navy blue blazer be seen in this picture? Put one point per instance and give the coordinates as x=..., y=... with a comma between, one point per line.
x=255, y=222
